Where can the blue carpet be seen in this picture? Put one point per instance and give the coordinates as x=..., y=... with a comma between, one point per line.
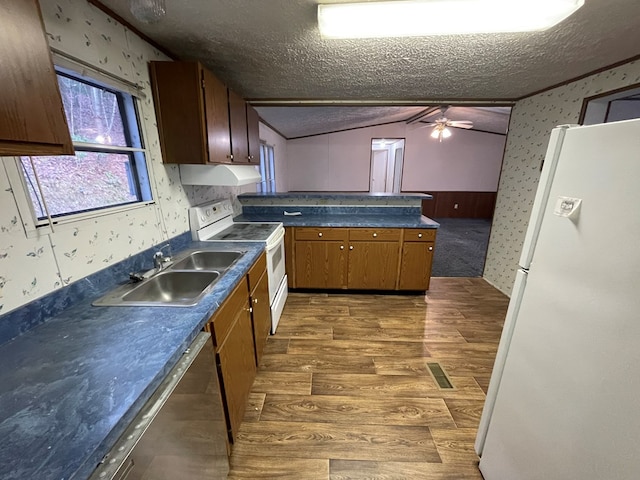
x=461, y=247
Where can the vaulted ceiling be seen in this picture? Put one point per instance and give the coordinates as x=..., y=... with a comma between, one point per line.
x=271, y=51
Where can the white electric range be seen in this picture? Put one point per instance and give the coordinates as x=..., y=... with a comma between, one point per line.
x=214, y=222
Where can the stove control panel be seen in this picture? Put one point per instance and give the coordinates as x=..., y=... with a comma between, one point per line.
x=203, y=215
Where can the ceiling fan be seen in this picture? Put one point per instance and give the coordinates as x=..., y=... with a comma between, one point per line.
x=441, y=125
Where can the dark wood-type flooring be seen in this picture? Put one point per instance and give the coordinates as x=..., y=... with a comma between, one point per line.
x=344, y=391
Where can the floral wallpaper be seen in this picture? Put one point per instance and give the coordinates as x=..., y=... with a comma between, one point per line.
x=33, y=267
x=531, y=122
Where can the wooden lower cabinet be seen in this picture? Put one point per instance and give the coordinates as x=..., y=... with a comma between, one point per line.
x=288, y=256
x=320, y=264
x=415, y=266
x=416, y=259
x=360, y=258
x=373, y=265
x=232, y=333
x=260, y=309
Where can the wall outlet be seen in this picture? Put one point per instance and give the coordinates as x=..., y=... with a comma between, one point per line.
x=455, y=206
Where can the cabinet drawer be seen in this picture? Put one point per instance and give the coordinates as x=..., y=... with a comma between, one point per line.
x=374, y=234
x=256, y=271
x=223, y=319
x=311, y=233
x=419, y=234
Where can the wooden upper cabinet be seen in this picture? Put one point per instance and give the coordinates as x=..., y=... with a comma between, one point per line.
x=192, y=113
x=32, y=119
x=253, y=134
x=217, y=118
x=238, y=128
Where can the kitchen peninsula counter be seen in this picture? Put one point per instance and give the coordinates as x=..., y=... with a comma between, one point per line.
x=350, y=241
x=336, y=209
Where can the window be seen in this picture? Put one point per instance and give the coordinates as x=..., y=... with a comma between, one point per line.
x=267, y=169
x=108, y=168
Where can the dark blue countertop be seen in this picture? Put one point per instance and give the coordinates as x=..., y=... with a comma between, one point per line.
x=70, y=386
x=335, y=195
x=343, y=220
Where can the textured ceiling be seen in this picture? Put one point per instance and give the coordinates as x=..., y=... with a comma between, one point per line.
x=272, y=50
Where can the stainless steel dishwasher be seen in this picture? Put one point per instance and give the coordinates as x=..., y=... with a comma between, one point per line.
x=180, y=432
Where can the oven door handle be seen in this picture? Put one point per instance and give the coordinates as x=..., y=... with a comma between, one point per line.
x=272, y=244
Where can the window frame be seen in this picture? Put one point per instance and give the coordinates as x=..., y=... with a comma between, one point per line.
x=129, y=98
x=267, y=169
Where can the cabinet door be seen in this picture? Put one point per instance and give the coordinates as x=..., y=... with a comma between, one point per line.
x=261, y=315
x=237, y=369
x=32, y=120
x=415, y=266
x=217, y=118
x=289, y=258
x=373, y=265
x=238, y=128
x=253, y=135
x=320, y=264
x=179, y=111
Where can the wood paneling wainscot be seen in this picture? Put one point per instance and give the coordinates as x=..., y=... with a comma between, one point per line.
x=460, y=205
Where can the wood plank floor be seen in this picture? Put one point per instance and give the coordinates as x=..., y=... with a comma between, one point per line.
x=344, y=391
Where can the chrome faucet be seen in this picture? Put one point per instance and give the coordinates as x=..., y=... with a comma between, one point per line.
x=159, y=260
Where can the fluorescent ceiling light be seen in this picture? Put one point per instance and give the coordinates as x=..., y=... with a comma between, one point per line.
x=440, y=17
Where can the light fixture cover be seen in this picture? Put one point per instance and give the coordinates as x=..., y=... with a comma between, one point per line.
x=440, y=17
x=148, y=11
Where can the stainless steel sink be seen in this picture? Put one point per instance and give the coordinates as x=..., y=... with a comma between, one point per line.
x=167, y=288
x=183, y=288
x=207, y=260
x=193, y=274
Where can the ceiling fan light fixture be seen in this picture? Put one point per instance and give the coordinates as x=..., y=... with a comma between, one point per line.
x=440, y=17
x=440, y=131
x=148, y=11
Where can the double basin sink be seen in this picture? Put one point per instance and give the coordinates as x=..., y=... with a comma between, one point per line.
x=192, y=275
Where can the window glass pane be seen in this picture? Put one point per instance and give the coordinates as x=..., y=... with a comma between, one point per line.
x=86, y=181
x=93, y=113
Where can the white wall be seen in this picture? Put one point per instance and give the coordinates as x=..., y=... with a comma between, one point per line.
x=468, y=161
x=33, y=267
x=531, y=122
x=279, y=144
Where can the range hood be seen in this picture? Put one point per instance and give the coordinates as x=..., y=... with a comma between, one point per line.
x=227, y=175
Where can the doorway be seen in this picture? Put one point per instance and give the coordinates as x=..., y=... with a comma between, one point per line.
x=623, y=104
x=387, y=157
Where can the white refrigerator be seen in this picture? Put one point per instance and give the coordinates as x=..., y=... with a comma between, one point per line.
x=564, y=397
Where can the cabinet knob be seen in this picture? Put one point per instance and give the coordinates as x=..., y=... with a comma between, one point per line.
x=341, y=247
x=230, y=157
x=431, y=249
x=255, y=300
x=375, y=235
x=320, y=234
x=350, y=247
x=419, y=235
